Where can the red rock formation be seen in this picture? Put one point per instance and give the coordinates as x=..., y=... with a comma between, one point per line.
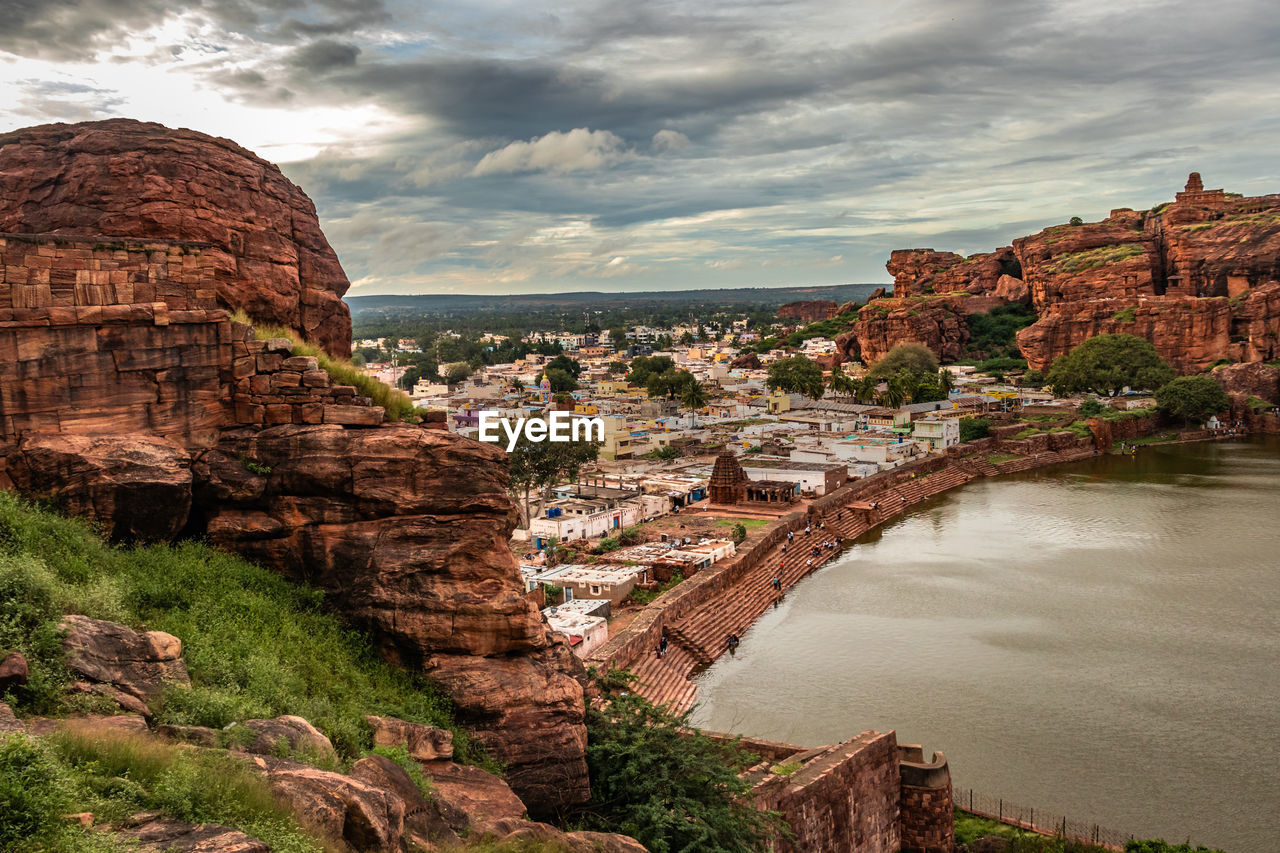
x=1190, y=334
x=124, y=178
x=1149, y=273
x=1250, y=380
x=408, y=528
x=807, y=312
x=937, y=322
x=918, y=272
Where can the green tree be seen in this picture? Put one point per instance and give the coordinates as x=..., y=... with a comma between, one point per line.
x=669, y=383
x=645, y=365
x=693, y=395
x=536, y=466
x=561, y=380
x=739, y=533
x=1105, y=364
x=618, y=337
x=668, y=786
x=972, y=429
x=914, y=358
x=894, y=393
x=1092, y=407
x=1192, y=398
x=842, y=383
x=457, y=372
x=617, y=368
x=562, y=362
x=664, y=454
x=796, y=375
x=867, y=388
x=945, y=382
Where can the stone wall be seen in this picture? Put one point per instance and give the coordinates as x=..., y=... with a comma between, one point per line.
x=110, y=337
x=926, y=802
x=273, y=386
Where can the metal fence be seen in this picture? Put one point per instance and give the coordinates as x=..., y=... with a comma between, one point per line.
x=1038, y=820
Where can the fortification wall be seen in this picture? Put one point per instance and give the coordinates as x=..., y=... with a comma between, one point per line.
x=110, y=337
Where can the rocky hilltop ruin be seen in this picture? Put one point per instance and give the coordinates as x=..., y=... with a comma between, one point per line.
x=1197, y=277
x=129, y=395
x=129, y=179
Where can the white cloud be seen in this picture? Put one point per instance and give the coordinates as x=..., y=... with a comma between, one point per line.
x=579, y=149
x=669, y=140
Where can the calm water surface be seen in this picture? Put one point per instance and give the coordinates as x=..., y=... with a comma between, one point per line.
x=1100, y=639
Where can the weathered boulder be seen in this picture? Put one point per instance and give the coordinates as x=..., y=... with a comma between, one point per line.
x=13, y=671
x=510, y=829
x=140, y=664
x=151, y=832
x=469, y=795
x=423, y=819
x=1252, y=379
x=366, y=817
x=125, y=178
x=133, y=486
x=1012, y=289
x=407, y=528
x=93, y=724
x=917, y=272
x=746, y=361
x=288, y=734
x=425, y=743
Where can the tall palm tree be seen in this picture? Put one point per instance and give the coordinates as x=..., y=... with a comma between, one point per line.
x=894, y=394
x=945, y=380
x=693, y=395
x=842, y=383
x=867, y=388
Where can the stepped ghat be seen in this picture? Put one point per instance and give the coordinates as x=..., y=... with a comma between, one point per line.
x=869, y=780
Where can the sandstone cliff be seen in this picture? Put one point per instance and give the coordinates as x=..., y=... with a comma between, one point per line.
x=1195, y=277
x=124, y=178
x=127, y=394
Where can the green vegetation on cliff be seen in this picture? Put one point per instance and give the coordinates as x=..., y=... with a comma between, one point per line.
x=255, y=644
x=1090, y=259
x=994, y=334
x=670, y=787
x=397, y=404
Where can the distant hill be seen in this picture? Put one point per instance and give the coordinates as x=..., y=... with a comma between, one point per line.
x=454, y=302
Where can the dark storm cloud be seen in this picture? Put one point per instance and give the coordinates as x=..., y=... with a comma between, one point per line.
x=671, y=137
x=324, y=55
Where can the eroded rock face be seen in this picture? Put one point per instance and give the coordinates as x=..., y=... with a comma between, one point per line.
x=134, y=486
x=365, y=817
x=1138, y=272
x=124, y=178
x=288, y=734
x=162, y=833
x=938, y=323
x=140, y=664
x=1250, y=380
x=425, y=743
x=407, y=529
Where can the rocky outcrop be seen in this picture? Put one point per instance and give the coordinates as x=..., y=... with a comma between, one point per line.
x=127, y=179
x=920, y=272
x=141, y=665
x=134, y=486
x=289, y=734
x=937, y=322
x=423, y=743
x=365, y=817
x=807, y=312
x=128, y=395
x=746, y=361
x=1156, y=274
x=151, y=832
x=1190, y=334
x=1250, y=380
x=407, y=527
x=8, y=722
x=13, y=672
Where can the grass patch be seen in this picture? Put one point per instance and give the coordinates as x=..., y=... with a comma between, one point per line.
x=645, y=596
x=1160, y=438
x=1093, y=258
x=749, y=523
x=1125, y=315
x=997, y=458
x=396, y=403
x=256, y=645
x=114, y=775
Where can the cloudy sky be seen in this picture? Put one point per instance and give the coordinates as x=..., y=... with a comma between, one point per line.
x=495, y=147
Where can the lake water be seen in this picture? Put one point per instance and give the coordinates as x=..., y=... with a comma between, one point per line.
x=1100, y=639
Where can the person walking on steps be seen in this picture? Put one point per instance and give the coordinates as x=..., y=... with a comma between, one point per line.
x=662, y=646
